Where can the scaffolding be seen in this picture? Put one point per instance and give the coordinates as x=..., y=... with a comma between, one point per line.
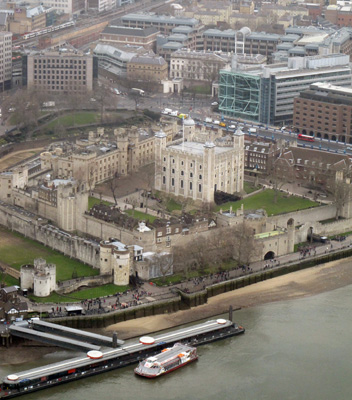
x=239, y=95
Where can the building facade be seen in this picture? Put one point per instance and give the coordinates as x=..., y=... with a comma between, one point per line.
x=64, y=71
x=162, y=23
x=26, y=19
x=121, y=35
x=267, y=94
x=318, y=169
x=147, y=68
x=195, y=168
x=324, y=111
x=5, y=60
x=197, y=65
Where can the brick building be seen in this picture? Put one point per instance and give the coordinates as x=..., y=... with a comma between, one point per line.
x=25, y=18
x=315, y=167
x=260, y=156
x=324, y=111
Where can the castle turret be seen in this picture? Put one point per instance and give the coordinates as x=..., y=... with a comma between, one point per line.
x=209, y=176
x=121, y=267
x=27, y=276
x=105, y=258
x=160, y=145
x=189, y=126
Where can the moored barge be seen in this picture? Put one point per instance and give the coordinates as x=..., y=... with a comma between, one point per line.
x=96, y=362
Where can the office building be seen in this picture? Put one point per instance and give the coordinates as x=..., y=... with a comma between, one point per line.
x=64, y=71
x=5, y=60
x=122, y=36
x=163, y=23
x=266, y=94
x=324, y=111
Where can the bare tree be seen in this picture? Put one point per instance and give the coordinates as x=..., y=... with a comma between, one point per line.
x=59, y=130
x=278, y=175
x=183, y=259
x=342, y=194
x=104, y=97
x=244, y=244
x=76, y=101
x=92, y=170
x=113, y=185
x=23, y=108
x=163, y=263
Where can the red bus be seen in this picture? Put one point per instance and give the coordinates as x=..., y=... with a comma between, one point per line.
x=306, y=138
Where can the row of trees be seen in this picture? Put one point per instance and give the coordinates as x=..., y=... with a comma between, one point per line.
x=235, y=243
x=24, y=106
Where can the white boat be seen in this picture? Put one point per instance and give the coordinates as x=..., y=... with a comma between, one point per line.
x=167, y=361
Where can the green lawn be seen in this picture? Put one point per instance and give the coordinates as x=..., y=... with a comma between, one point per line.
x=79, y=118
x=8, y=280
x=265, y=200
x=84, y=294
x=92, y=201
x=249, y=187
x=173, y=205
x=17, y=250
x=140, y=215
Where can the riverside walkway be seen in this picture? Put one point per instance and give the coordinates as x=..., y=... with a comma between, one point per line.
x=149, y=293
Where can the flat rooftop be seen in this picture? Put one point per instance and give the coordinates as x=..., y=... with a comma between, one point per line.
x=196, y=148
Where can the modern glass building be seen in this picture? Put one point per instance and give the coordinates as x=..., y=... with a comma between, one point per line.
x=266, y=93
x=239, y=95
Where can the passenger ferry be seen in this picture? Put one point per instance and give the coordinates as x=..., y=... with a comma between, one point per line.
x=96, y=362
x=167, y=361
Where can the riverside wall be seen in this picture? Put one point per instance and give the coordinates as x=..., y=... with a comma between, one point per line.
x=102, y=321
x=184, y=301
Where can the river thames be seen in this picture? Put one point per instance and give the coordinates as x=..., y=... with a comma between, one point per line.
x=298, y=349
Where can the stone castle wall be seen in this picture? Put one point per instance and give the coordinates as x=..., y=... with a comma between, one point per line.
x=31, y=226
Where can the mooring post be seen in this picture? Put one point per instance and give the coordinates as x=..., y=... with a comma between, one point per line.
x=230, y=313
x=114, y=340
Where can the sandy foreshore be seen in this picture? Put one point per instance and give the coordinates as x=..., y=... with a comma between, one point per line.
x=298, y=284
x=323, y=278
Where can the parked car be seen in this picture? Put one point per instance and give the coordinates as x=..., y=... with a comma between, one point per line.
x=215, y=103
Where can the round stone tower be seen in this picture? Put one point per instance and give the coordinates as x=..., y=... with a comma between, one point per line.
x=190, y=128
x=42, y=284
x=27, y=276
x=121, y=267
x=105, y=257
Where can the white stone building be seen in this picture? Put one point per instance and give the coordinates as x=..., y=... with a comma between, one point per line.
x=197, y=65
x=40, y=277
x=196, y=167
